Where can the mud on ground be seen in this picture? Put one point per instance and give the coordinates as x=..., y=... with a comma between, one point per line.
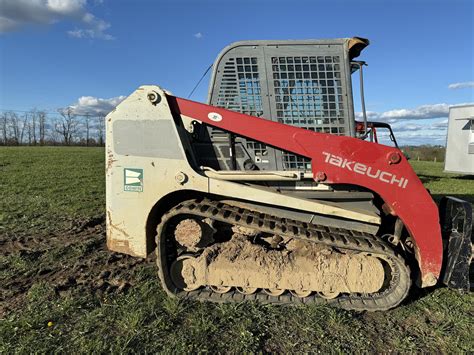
x=75, y=260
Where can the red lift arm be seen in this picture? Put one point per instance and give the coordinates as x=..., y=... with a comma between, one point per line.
x=346, y=160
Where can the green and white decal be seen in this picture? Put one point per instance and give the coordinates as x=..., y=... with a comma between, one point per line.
x=133, y=179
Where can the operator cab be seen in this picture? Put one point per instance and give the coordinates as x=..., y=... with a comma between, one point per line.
x=303, y=83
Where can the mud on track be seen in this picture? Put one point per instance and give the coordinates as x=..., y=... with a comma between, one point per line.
x=297, y=264
x=75, y=260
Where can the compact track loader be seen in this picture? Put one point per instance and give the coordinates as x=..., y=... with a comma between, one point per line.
x=273, y=191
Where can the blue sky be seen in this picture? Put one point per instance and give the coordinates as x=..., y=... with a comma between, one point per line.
x=89, y=53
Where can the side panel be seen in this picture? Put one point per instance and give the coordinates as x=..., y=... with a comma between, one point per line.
x=144, y=155
x=460, y=140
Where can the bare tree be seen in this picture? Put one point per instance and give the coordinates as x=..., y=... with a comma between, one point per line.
x=101, y=129
x=87, y=119
x=54, y=137
x=66, y=126
x=29, y=131
x=14, y=126
x=4, y=125
x=24, y=125
x=41, y=126
x=32, y=125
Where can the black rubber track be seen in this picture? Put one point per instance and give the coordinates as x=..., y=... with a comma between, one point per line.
x=395, y=289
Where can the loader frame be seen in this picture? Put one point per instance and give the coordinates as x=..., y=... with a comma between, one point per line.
x=150, y=166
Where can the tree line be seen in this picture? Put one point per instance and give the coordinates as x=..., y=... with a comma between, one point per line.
x=425, y=152
x=37, y=127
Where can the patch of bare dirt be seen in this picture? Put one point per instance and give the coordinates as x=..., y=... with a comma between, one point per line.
x=69, y=261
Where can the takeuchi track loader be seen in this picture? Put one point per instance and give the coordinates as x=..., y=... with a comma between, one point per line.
x=273, y=191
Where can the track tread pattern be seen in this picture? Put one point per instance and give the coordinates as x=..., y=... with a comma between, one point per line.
x=330, y=236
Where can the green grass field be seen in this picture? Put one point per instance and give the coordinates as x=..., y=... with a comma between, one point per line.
x=62, y=291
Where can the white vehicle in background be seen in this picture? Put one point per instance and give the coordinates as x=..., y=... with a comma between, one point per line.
x=460, y=140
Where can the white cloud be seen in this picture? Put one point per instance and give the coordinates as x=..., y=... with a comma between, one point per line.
x=419, y=113
x=440, y=124
x=464, y=85
x=16, y=14
x=66, y=7
x=405, y=127
x=198, y=35
x=424, y=134
x=420, y=138
x=96, y=28
x=95, y=105
x=426, y=124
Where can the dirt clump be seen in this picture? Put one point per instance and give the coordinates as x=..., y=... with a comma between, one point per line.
x=194, y=234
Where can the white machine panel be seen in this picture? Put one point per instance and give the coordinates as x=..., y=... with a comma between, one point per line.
x=460, y=140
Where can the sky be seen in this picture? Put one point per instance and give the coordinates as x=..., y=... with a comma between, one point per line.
x=90, y=54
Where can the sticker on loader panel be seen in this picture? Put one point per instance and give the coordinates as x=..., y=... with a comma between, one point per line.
x=133, y=180
x=214, y=116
